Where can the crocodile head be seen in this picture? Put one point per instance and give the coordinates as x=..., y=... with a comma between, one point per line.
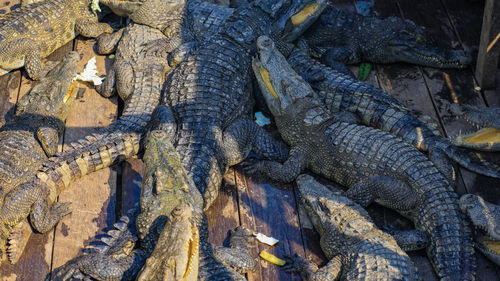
x=292, y=17
x=314, y=197
x=175, y=256
x=399, y=40
x=279, y=83
x=165, y=184
x=53, y=95
x=488, y=119
x=484, y=215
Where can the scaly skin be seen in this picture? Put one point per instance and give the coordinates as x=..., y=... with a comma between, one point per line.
x=26, y=141
x=356, y=248
x=375, y=108
x=375, y=165
x=34, y=31
x=207, y=89
x=346, y=37
x=485, y=216
x=136, y=60
x=488, y=119
x=165, y=249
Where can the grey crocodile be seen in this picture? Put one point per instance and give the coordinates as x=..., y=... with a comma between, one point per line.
x=486, y=118
x=349, y=239
x=26, y=141
x=346, y=37
x=373, y=107
x=375, y=165
x=208, y=90
x=168, y=238
x=34, y=31
x=485, y=216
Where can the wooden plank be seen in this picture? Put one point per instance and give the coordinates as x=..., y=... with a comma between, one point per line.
x=132, y=171
x=93, y=196
x=271, y=210
x=446, y=87
x=223, y=214
x=489, y=47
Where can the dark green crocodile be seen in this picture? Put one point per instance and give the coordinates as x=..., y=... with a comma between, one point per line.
x=349, y=239
x=486, y=118
x=26, y=141
x=485, y=216
x=151, y=245
x=34, y=31
x=375, y=165
x=373, y=107
x=346, y=37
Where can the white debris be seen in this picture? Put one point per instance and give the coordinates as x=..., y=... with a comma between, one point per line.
x=89, y=73
x=261, y=120
x=271, y=241
x=94, y=6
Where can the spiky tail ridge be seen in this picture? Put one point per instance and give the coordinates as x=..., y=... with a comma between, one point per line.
x=86, y=158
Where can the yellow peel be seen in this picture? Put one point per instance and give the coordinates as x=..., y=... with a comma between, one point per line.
x=304, y=14
x=265, y=76
x=272, y=258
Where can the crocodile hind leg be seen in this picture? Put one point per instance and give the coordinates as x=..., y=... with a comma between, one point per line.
x=410, y=240
x=286, y=172
x=384, y=190
x=124, y=77
x=310, y=271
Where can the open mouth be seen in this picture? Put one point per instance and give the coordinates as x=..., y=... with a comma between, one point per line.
x=486, y=138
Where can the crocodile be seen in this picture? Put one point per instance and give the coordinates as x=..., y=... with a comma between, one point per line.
x=34, y=31
x=165, y=238
x=208, y=89
x=356, y=248
x=346, y=37
x=485, y=216
x=375, y=108
x=486, y=118
x=373, y=164
x=28, y=139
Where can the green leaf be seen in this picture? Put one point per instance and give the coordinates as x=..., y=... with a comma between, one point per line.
x=364, y=71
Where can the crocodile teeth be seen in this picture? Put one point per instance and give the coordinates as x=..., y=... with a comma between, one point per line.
x=120, y=225
x=107, y=240
x=125, y=219
x=114, y=233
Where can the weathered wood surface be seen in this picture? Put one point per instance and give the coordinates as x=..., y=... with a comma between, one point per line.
x=255, y=202
x=489, y=47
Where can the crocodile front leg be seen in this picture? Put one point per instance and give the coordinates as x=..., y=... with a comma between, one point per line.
x=107, y=43
x=244, y=136
x=286, y=172
x=310, y=271
x=90, y=29
x=238, y=256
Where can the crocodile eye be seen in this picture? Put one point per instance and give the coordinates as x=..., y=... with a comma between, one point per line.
x=419, y=39
x=177, y=211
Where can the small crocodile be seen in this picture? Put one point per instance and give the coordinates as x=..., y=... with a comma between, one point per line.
x=375, y=108
x=356, y=248
x=485, y=216
x=346, y=37
x=26, y=142
x=486, y=118
x=34, y=31
x=375, y=165
x=151, y=245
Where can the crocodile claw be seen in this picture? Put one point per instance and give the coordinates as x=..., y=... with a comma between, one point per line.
x=252, y=167
x=293, y=263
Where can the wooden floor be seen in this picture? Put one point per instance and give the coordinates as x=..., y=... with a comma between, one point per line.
x=253, y=201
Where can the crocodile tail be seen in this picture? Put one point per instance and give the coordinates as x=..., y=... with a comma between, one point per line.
x=451, y=249
x=87, y=156
x=470, y=160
